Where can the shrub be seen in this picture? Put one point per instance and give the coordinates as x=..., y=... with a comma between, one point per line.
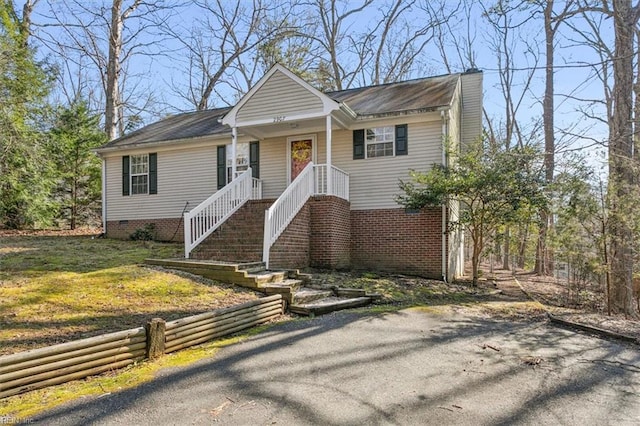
x=144, y=234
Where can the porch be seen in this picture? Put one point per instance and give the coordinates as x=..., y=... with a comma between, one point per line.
x=238, y=224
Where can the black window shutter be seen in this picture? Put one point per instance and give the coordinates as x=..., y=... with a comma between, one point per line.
x=358, y=144
x=254, y=159
x=125, y=175
x=222, y=166
x=153, y=173
x=401, y=140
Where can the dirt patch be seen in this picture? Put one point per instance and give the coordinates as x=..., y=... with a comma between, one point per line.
x=51, y=232
x=583, y=307
x=403, y=289
x=527, y=297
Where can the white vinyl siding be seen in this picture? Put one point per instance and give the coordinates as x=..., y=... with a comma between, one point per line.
x=471, y=107
x=454, y=123
x=273, y=166
x=279, y=98
x=456, y=244
x=187, y=175
x=374, y=181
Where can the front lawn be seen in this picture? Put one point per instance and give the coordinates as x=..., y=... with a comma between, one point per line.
x=58, y=288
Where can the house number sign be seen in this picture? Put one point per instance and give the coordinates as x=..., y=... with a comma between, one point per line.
x=279, y=118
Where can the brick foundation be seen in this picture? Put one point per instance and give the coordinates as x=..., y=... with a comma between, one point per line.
x=330, y=233
x=165, y=229
x=291, y=250
x=395, y=241
x=324, y=234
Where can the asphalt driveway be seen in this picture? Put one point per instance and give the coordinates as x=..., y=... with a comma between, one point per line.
x=409, y=367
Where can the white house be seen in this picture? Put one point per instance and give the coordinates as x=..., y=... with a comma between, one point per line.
x=296, y=177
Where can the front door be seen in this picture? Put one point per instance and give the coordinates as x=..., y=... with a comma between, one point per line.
x=301, y=151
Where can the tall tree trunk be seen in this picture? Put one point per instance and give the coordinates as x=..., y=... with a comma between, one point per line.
x=506, y=253
x=543, y=264
x=113, y=71
x=621, y=159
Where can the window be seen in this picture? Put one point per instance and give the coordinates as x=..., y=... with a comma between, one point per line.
x=139, y=174
x=379, y=141
x=247, y=155
x=384, y=141
x=242, y=159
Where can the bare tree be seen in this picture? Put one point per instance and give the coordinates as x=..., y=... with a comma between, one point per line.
x=621, y=148
x=615, y=70
x=333, y=16
x=552, y=22
x=104, y=39
x=224, y=38
x=461, y=43
x=398, y=43
x=507, y=27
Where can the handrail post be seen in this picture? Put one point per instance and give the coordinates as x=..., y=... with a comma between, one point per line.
x=266, y=244
x=187, y=235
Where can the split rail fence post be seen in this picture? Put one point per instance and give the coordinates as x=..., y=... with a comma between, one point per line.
x=155, y=337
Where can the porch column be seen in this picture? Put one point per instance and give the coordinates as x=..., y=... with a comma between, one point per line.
x=234, y=143
x=329, y=170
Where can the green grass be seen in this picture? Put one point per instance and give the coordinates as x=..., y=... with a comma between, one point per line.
x=56, y=289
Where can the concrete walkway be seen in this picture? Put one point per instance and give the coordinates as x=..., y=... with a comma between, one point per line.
x=410, y=367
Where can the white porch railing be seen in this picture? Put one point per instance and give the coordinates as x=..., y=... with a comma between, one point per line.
x=286, y=207
x=339, y=181
x=256, y=189
x=201, y=221
x=311, y=181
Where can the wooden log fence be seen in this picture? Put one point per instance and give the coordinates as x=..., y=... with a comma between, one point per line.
x=38, y=368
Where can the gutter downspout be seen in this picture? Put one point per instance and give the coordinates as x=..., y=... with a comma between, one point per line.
x=445, y=135
x=104, y=197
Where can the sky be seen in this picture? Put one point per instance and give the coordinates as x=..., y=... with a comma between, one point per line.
x=153, y=75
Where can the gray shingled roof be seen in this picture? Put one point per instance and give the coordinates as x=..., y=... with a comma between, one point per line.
x=425, y=94
x=187, y=125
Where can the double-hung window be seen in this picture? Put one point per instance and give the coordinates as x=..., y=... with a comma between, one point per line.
x=379, y=141
x=139, y=174
x=247, y=155
x=382, y=141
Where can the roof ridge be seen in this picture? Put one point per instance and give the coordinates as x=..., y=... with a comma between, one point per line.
x=411, y=80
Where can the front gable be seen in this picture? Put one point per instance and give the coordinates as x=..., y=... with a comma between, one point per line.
x=279, y=96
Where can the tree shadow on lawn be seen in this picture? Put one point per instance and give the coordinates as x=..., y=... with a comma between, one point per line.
x=288, y=368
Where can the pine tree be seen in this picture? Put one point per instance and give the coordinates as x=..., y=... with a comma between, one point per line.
x=75, y=132
x=24, y=85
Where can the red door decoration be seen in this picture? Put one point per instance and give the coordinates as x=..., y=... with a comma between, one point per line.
x=300, y=156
